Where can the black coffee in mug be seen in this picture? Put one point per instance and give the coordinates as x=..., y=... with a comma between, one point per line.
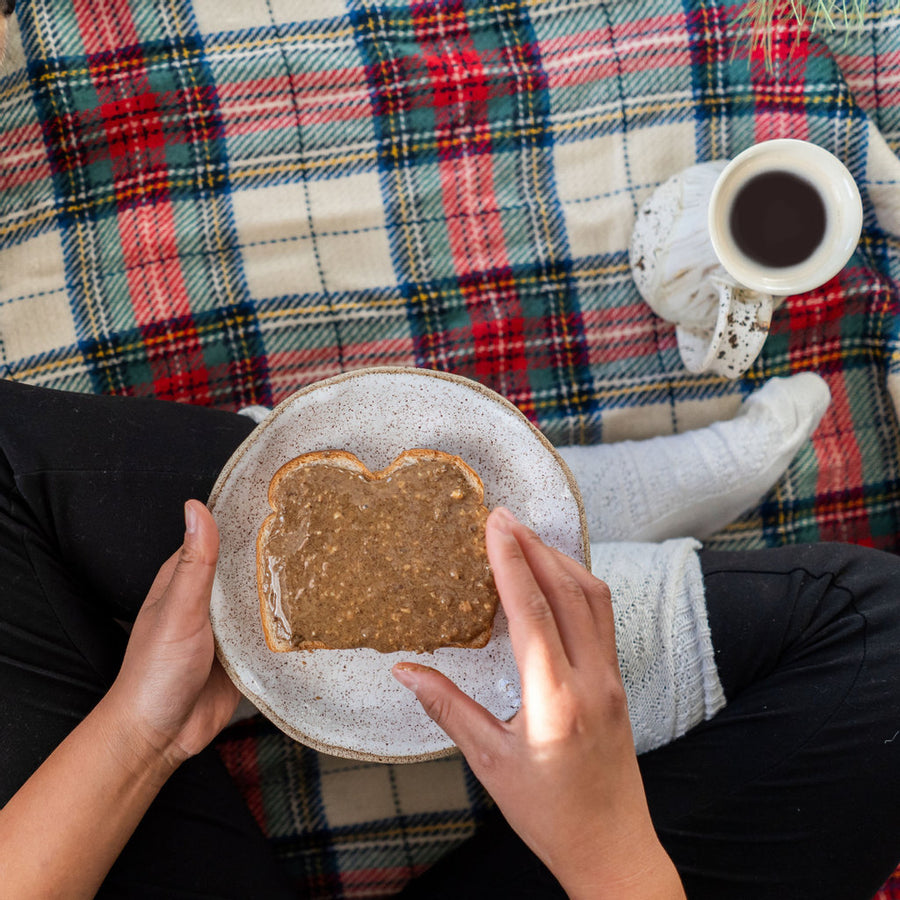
x=777, y=219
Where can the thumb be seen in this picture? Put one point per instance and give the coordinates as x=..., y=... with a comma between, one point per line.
x=468, y=724
x=186, y=599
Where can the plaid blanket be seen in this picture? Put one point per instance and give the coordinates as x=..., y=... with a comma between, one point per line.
x=220, y=201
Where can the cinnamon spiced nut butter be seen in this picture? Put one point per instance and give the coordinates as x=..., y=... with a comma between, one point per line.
x=392, y=560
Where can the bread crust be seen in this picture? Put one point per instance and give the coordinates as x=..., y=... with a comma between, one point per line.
x=343, y=459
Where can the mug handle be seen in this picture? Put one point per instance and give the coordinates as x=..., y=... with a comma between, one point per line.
x=742, y=326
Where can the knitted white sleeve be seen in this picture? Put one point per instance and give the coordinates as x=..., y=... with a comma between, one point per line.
x=662, y=636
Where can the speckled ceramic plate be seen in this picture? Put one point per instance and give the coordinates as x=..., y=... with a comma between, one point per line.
x=346, y=702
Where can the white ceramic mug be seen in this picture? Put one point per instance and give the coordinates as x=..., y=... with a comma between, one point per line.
x=837, y=190
x=690, y=267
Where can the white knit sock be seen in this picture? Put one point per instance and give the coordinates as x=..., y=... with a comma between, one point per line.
x=695, y=483
x=662, y=637
x=256, y=413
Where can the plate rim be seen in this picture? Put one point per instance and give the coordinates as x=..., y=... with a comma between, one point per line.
x=240, y=451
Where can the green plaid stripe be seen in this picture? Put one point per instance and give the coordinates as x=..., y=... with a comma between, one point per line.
x=295, y=102
x=101, y=130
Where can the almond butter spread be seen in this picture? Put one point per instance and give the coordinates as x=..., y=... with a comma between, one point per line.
x=392, y=563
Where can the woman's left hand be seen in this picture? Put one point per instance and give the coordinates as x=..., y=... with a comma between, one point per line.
x=62, y=830
x=171, y=689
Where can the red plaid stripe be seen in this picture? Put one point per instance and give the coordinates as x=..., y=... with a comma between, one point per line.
x=135, y=142
x=779, y=81
x=155, y=280
x=622, y=334
x=841, y=512
x=175, y=356
x=871, y=91
x=128, y=110
x=258, y=106
x=316, y=363
x=25, y=146
x=497, y=328
x=241, y=757
x=460, y=90
x=616, y=50
x=133, y=126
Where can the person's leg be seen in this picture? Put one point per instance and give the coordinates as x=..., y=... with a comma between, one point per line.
x=695, y=483
x=105, y=479
x=791, y=790
x=91, y=497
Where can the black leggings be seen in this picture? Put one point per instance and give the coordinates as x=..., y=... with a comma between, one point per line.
x=792, y=791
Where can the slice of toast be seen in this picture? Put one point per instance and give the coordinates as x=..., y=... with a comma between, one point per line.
x=392, y=560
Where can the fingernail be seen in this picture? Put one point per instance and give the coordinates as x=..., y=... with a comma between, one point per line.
x=190, y=518
x=407, y=675
x=504, y=519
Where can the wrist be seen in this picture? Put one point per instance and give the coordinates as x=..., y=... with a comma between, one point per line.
x=643, y=869
x=146, y=755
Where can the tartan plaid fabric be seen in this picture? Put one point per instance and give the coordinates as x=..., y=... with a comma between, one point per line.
x=220, y=201
x=349, y=829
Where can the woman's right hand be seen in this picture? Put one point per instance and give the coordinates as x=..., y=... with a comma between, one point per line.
x=563, y=770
